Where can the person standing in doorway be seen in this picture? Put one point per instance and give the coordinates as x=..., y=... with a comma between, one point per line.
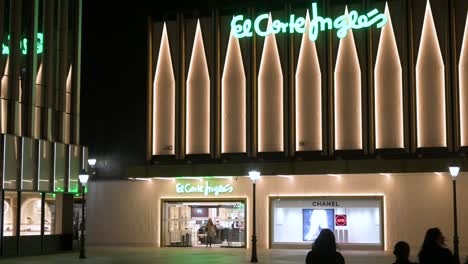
x=210, y=232
x=434, y=250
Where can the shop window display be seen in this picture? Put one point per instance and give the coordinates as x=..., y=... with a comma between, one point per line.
x=355, y=221
x=10, y=213
x=49, y=220
x=185, y=223
x=31, y=212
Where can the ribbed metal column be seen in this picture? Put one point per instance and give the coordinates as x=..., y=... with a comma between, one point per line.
x=63, y=133
x=76, y=72
x=29, y=94
x=13, y=93
x=48, y=69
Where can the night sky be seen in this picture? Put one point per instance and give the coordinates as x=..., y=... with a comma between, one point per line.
x=114, y=66
x=113, y=87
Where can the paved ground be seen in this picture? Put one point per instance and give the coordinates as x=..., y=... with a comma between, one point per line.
x=120, y=255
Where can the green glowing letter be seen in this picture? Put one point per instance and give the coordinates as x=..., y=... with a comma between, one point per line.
x=257, y=26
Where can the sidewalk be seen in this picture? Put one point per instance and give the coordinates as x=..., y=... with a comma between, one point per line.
x=121, y=255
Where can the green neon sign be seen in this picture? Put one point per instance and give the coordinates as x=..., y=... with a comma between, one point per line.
x=205, y=189
x=241, y=27
x=24, y=45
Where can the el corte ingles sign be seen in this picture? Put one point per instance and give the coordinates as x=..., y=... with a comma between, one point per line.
x=241, y=27
x=206, y=189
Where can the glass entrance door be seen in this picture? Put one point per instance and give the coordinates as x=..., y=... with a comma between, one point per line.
x=184, y=224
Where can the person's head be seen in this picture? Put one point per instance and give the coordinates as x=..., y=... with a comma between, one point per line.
x=325, y=242
x=433, y=238
x=401, y=250
x=210, y=221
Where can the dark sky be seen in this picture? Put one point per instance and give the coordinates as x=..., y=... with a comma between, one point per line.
x=113, y=110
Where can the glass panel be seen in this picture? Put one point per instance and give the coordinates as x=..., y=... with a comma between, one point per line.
x=185, y=224
x=31, y=213
x=11, y=162
x=50, y=223
x=84, y=160
x=59, y=168
x=45, y=165
x=10, y=205
x=77, y=211
x=29, y=164
x=74, y=168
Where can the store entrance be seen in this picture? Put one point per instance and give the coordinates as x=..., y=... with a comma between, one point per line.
x=184, y=223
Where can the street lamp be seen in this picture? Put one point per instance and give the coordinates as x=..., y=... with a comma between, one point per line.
x=83, y=176
x=254, y=176
x=454, y=170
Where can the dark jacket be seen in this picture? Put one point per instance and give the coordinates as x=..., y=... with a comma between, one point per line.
x=438, y=255
x=324, y=258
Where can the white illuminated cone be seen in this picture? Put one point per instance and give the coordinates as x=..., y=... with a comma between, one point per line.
x=430, y=87
x=270, y=98
x=308, y=96
x=233, y=104
x=164, y=100
x=198, y=99
x=348, y=116
x=388, y=90
x=463, y=76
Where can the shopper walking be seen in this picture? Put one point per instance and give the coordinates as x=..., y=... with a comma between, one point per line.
x=434, y=250
x=402, y=253
x=210, y=232
x=324, y=250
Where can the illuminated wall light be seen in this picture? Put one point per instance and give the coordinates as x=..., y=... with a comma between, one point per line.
x=164, y=101
x=4, y=88
x=69, y=90
x=39, y=85
x=430, y=87
x=270, y=98
x=140, y=179
x=388, y=90
x=463, y=75
x=198, y=99
x=163, y=178
x=38, y=102
x=233, y=123
x=308, y=96
x=348, y=117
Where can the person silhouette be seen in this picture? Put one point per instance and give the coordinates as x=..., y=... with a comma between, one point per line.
x=210, y=232
x=324, y=250
x=433, y=250
x=402, y=253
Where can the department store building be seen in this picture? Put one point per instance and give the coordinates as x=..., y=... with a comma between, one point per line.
x=352, y=111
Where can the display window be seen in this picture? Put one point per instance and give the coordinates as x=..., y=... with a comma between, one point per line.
x=355, y=221
x=185, y=223
x=49, y=218
x=31, y=214
x=10, y=205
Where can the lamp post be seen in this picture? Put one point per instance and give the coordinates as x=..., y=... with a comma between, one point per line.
x=254, y=176
x=454, y=170
x=84, y=177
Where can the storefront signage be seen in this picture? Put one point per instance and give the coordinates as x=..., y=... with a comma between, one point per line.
x=206, y=189
x=326, y=203
x=341, y=220
x=24, y=45
x=241, y=27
